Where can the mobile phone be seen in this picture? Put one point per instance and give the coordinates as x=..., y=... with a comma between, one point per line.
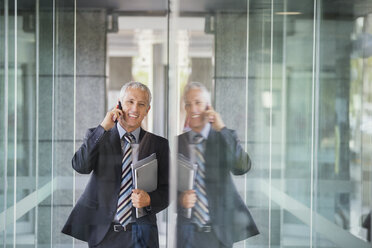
x=207, y=108
x=118, y=106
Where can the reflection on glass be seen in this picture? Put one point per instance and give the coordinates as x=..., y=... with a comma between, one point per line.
x=3, y=121
x=210, y=212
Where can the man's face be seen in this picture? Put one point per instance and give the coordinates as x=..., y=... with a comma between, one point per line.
x=135, y=107
x=195, y=106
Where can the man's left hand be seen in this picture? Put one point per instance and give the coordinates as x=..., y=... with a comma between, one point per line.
x=140, y=198
x=214, y=118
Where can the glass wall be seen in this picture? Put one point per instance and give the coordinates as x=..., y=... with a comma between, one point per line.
x=292, y=78
x=37, y=140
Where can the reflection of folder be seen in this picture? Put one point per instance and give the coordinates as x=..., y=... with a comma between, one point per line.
x=145, y=177
x=186, y=178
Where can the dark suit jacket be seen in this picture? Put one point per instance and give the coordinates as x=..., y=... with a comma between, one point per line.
x=230, y=218
x=101, y=155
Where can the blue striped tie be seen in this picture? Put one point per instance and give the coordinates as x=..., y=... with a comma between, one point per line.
x=124, y=209
x=201, y=211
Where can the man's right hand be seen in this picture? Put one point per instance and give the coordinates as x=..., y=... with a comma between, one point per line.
x=188, y=198
x=110, y=118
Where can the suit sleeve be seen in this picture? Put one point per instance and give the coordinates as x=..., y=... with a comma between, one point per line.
x=237, y=158
x=85, y=159
x=160, y=197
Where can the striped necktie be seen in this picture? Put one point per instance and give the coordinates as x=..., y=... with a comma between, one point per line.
x=124, y=209
x=200, y=211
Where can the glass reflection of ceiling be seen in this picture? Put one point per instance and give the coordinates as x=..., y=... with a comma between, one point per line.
x=332, y=9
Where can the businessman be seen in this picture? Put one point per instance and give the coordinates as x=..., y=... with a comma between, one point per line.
x=104, y=216
x=219, y=217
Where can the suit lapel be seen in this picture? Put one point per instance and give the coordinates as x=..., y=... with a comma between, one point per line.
x=210, y=148
x=183, y=145
x=211, y=157
x=142, y=133
x=211, y=154
x=115, y=149
x=144, y=144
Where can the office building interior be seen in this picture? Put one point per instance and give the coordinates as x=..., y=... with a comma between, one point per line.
x=292, y=77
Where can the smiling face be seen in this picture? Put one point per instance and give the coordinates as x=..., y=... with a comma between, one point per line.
x=135, y=104
x=195, y=106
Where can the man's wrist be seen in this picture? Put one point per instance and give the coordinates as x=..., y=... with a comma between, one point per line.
x=220, y=128
x=104, y=126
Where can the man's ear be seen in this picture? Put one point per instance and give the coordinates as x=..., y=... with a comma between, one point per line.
x=148, y=109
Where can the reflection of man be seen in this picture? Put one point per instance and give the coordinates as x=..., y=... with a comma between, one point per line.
x=104, y=216
x=219, y=217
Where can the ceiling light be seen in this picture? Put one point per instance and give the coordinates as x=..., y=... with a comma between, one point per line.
x=289, y=13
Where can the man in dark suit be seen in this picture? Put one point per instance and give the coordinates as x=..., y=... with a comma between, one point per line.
x=219, y=216
x=104, y=216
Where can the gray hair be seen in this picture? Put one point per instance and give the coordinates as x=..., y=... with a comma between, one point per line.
x=197, y=85
x=135, y=85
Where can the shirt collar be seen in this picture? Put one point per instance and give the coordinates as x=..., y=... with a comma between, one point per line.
x=122, y=131
x=204, y=132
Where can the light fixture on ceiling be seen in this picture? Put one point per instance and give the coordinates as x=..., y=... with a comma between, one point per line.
x=289, y=13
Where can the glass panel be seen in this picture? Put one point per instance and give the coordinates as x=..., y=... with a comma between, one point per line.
x=299, y=105
x=211, y=47
x=25, y=99
x=63, y=117
x=3, y=124
x=45, y=76
x=342, y=189
x=137, y=50
x=11, y=137
x=360, y=112
x=293, y=149
x=258, y=121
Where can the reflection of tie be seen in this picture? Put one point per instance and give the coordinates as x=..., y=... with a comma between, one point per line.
x=124, y=210
x=201, y=212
